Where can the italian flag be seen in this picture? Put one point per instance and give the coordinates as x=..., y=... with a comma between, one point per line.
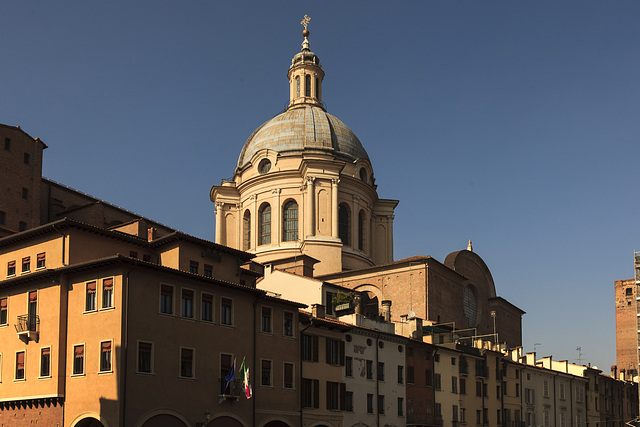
x=245, y=380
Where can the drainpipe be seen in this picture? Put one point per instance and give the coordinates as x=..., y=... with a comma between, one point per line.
x=124, y=345
x=571, y=400
x=377, y=383
x=63, y=243
x=555, y=401
x=301, y=335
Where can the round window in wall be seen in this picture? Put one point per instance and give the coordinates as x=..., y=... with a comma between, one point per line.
x=470, y=306
x=264, y=166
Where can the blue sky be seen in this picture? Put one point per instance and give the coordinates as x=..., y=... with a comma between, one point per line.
x=510, y=123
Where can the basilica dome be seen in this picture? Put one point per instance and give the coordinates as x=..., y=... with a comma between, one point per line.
x=304, y=128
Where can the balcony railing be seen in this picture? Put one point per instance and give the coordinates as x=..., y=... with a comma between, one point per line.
x=29, y=325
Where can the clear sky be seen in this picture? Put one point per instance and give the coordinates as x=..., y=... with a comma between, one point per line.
x=511, y=123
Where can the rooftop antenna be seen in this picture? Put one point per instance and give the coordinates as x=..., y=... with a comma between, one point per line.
x=579, y=355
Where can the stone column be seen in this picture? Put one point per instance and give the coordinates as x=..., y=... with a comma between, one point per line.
x=219, y=221
x=309, y=215
x=334, y=207
x=390, y=219
x=275, y=217
x=253, y=240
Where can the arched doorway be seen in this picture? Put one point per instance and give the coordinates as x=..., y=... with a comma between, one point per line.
x=164, y=420
x=89, y=422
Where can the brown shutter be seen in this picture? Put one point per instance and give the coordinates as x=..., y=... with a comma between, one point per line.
x=106, y=347
x=315, y=348
x=11, y=264
x=107, y=284
x=316, y=393
x=327, y=347
x=46, y=351
x=20, y=361
x=41, y=257
x=343, y=396
x=3, y=303
x=79, y=351
x=91, y=287
x=187, y=293
x=288, y=373
x=341, y=354
x=33, y=296
x=166, y=289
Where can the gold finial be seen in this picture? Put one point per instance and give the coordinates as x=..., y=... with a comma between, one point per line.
x=304, y=23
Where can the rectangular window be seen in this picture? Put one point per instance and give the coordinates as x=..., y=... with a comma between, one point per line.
x=145, y=357
x=328, y=299
x=226, y=311
x=410, y=375
x=437, y=382
x=90, y=302
x=562, y=392
x=400, y=407
x=20, y=361
x=22, y=226
x=146, y=257
x=381, y=404
x=335, y=352
x=380, y=371
x=400, y=374
x=133, y=254
x=478, y=388
x=193, y=267
x=545, y=388
x=348, y=367
x=463, y=386
x=105, y=356
x=310, y=393
x=208, y=270
x=166, y=299
x=454, y=413
x=265, y=373
x=107, y=293
x=310, y=348
x=517, y=389
x=206, y=313
x=186, y=362
x=187, y=303
x=428, y=378
x=333, y=396
x=369, y=369
x=265, y=322
x=25, y=193
x=11, y=268
x=454, y=385
x=26, y=264
x=3, y=218
x=45, y=362
x=4, y=312
x=369, y=403
x=33, y=309
x=226, y=363
x=288, y=375
x=41, y=260
x=7, y=144
x=288, y=324
x=463, y=415
x=348, y=401
x=78, y=360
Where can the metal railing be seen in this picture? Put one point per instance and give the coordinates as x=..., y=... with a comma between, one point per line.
x=28, y=323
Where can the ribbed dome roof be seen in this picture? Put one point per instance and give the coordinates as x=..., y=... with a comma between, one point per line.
x=304, y=128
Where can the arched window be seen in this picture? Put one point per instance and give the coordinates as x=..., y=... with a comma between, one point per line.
x=297, y=86
x=265, y=225
x=317, y=94
x=361, y=229
x=246, y=230
x=363, y=175
x=343, y=223
x=307, y=85
x=290, y=222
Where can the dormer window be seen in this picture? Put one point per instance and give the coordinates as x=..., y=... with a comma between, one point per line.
x=264, y=166
x=363, y=175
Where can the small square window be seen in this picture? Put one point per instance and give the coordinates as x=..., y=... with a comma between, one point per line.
x=266, y=319
x=11, y=268
x=133, y=254
x=25, y=158
x=145, y=357
x=208, y=270
x=25, y=193
x=193, y=267
x=22, y=226
x=26, y=264
x=41, y=260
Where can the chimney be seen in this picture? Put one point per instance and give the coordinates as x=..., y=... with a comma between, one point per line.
x=317, y=310
x=386, y=310
x=614, y=371
x=415, y=328
x=151, y=233
x=531, y=358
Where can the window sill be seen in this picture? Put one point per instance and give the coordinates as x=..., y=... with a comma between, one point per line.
x=105, y=372
x=47, y=377
x=266, y=332
x=4, y=325
x=189, y=319
x=40, y=268
x=187, y=378
x=147, y=374
x=17, y=380
x=11, y=275
x=209, y=322
x=166, y=314
x=25, y=272
x=107, y=308
x=266, y=386
x=227, y=326
x=90, y=311
x=291, y=337
x=77, y=375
